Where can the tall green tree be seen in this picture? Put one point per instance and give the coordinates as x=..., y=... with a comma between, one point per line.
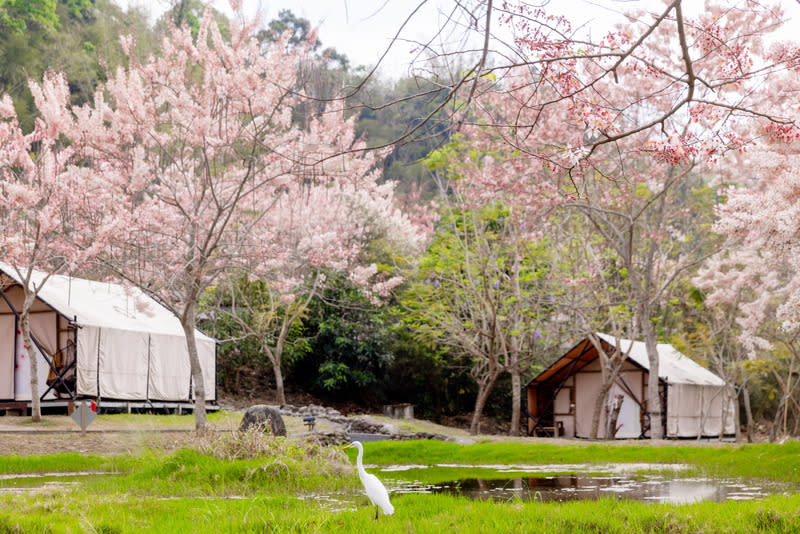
x=482, y=290
x=21, y=15
x=80, y=39
x=414, y=127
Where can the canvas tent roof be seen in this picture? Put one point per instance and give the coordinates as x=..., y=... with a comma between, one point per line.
x=674, y=367
x=104, y=304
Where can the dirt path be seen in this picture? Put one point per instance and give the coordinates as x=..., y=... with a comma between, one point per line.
x=124, y=433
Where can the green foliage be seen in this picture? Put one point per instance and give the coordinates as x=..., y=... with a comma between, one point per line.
x=83, y=41
x=247, y=316
x=349, y=347
x=193, y=491
x=299, y=29
x=190, y=13
x=64, y=462
x=240, y=462
x=20, y=15
x=476, y=267
x=426, y=375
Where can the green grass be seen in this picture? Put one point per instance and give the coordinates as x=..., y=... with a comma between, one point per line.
x=246, y=483
x=422, y=514
x=65, y=463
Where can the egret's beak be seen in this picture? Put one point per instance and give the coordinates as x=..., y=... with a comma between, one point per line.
x=347, y=446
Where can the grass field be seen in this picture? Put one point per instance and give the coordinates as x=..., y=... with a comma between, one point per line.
x=246, y=483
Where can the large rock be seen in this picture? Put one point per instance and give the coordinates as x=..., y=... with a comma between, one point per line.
x=263, y=418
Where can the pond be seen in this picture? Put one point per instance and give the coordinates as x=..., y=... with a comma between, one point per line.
x=561, y=483
x=19, y=483
x=545, y=483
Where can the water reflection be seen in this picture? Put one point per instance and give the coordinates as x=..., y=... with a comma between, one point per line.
x=24, y=483
x=563, y=488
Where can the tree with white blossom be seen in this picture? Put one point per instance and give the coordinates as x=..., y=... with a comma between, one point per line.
x=756, y=275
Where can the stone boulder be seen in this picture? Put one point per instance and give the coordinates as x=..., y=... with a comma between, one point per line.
x=264, y=418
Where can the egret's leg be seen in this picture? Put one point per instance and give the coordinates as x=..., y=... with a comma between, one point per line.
x=376, y=513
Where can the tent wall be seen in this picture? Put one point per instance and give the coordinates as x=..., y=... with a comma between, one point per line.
x=122, y=364
x=15, y=376
x=169, y=375
x=87, y=361
x=587, y=387
x=694, y=400
x=564, y=408
x=631, y=385
x=207, y=348
x=126, y=365
x=588, y=382
x=22, y=372
x=697, y=410
x=533, y=408
x=7, y=356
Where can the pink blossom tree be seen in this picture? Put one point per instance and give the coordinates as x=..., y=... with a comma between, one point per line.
x=330, y=222
x=196, y=146
x=46, y=211
x=634, y=109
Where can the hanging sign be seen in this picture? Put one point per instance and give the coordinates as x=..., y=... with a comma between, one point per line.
x=85, y=412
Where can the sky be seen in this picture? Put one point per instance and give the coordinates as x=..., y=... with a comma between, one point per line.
x=362, y=29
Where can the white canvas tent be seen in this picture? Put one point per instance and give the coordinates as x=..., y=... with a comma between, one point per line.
x=562, y=398
x=105, y=340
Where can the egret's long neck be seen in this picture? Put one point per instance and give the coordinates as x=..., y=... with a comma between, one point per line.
x=359, y=465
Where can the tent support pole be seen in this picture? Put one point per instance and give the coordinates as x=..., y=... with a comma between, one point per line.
x=38, y=347
x=149, y=352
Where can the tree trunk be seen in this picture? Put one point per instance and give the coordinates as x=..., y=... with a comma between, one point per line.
x=279, y=390
x=276, y=356
x=480, y=402
x=600, y=404
x=33, y=360
x=613, y=416
x=737, y=417
x=653, y=390
x=729, y=394
x=516, y=401
x=188, y=323
x=773, y=432
x=748, y=412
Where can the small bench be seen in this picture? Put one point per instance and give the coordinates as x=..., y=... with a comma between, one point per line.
x=310, y=422
x=550, y=431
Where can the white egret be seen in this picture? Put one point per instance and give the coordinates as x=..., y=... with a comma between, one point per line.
x=374, y=488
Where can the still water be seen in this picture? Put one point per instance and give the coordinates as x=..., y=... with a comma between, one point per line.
x=23, y=483
x=583, y=482
x=544, y=483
